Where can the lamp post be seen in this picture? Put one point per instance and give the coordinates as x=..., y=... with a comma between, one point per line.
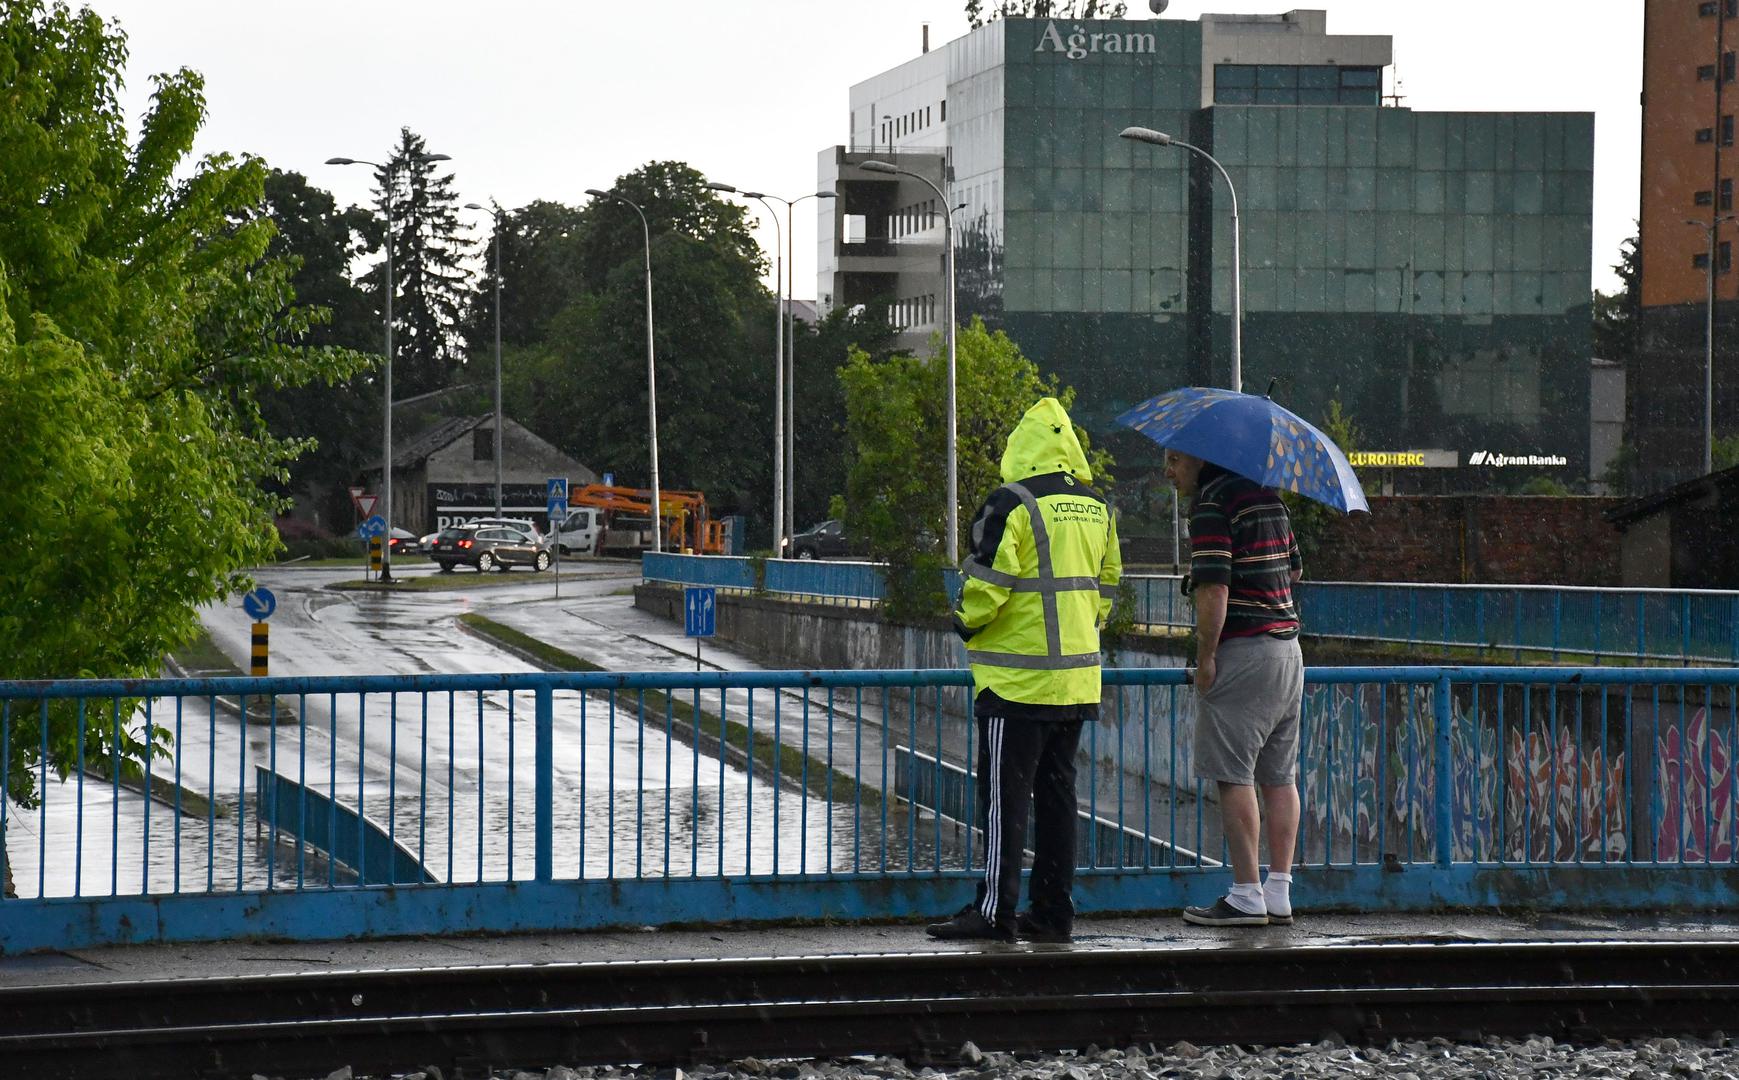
x=953, y=484
x=386, y=435
x=1160, y=138
x=1712, y=227
x=651, y=367
x=784, y=364
x=778, y=375
x=497, y=215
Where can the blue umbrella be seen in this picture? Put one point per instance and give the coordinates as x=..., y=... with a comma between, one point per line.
x=1253, y=437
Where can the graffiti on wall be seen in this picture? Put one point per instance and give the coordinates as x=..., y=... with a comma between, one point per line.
x=1368, y=777
x=1693, y=790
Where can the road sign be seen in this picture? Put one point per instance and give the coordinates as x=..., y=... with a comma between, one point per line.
x=609, y=479
x=354, y=492
x=374, y=526
x=699, y=614
x=556, y=495
x=260, y=604
x=365, y=504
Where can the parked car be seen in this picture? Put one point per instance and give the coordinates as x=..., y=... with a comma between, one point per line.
x=426, y=542
x=403, y=541
x=820, y=541
x=524, y=525
x=493, y=547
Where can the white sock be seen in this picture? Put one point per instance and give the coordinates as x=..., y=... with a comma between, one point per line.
x=1247, y=898
x=1277, y=893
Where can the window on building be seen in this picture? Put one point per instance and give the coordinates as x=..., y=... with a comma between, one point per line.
x=1726, y=131
x=1700, y=260
x=1705, y=135
x=1724, y=256
x=482, y=444
x=1703, y=198
x=1727, y=194
x=944, y=110
x=1732, y=9
x=1707, y=8
x=1705, y=72
x=1729, y=66
x=926, y=116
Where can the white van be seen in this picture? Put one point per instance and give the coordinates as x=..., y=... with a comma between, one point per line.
x=578, y=534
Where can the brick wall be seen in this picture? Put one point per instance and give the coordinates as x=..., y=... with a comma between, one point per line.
x=1474, y=539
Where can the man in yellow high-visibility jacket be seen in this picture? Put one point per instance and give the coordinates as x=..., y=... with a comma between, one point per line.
x=1039, y=579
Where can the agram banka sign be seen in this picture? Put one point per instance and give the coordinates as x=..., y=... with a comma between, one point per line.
x=1079, y=44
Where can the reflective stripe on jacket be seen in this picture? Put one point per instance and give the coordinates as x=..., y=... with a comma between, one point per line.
x=1042, y=570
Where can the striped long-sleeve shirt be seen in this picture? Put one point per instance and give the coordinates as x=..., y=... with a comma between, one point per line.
x=1241, y=537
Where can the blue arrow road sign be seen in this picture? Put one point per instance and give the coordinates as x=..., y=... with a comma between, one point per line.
x=260, y=604
x=556, y=495
x=699, y=616
x=374, y=526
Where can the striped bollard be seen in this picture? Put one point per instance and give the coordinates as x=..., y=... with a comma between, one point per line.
x=261, y=659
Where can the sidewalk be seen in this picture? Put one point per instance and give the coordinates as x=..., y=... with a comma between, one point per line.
x=1158, y=933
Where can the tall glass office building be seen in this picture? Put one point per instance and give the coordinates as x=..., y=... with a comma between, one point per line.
x=1430, y=271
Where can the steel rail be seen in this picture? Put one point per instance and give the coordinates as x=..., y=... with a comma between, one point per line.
x=922, y=1006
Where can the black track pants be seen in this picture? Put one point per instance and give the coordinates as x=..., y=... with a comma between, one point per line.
x=1027, y=765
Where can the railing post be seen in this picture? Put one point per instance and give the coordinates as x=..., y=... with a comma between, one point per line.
x=1445, y=777
x=543, y=799
x=1685, y=632
x=1732, y=630
x=1641, y=640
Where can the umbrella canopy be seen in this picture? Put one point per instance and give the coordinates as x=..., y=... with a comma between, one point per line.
x=1251, y=436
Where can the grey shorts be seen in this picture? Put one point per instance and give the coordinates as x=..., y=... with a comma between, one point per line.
x=1247, y=722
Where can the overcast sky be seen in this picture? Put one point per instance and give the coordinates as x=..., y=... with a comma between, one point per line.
x=540, y=99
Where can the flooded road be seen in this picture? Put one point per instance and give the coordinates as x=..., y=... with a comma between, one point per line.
x=449, y=777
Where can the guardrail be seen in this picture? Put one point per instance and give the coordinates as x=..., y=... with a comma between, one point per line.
x=1515, y=622
x=562, y=801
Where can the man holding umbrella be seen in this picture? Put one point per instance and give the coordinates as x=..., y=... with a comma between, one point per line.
x=1228, y=452
x=1249, y=677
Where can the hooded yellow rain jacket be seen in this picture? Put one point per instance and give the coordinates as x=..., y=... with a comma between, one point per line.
x=1042, y=570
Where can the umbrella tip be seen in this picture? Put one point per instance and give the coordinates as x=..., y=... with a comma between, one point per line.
x=1271, y=383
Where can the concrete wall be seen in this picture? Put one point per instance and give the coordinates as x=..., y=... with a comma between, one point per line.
x=1473, y=539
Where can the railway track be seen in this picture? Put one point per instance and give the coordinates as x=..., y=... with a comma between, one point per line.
x=922, y=1006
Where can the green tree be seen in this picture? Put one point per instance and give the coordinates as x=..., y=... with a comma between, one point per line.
x=429, y=281
x=823, y=349
x=1725, y=451
x=1618, y=315
x=340, y=420
x=1043, y=9
x=585, y=383
x=540, y=272
x=896, y=423
x=138, y=321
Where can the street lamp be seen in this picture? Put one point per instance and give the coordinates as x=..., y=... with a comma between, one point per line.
x=953, y=489
x=497, y=214
x=778, y=375
x=785, y=448
x=386, y=437
x=1712, y=227
x=651, y=368
x=1160, y=138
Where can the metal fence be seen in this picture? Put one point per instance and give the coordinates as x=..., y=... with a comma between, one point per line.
x=350, y=806
x=1514, y=622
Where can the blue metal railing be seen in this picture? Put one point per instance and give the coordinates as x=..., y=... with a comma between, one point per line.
x=559, y=801
x=1515, y=622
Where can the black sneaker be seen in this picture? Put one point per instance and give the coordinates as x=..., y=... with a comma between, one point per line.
x=967, y=926
x=1033, y=929
x=1279, y=920
x=1222, y=913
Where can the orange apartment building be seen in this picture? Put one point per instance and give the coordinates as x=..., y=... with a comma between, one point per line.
x=1690, y=94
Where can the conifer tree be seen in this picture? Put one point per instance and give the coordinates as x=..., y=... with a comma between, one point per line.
x=428, y=252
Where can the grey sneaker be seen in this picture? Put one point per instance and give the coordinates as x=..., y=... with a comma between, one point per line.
x=1222, y=913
